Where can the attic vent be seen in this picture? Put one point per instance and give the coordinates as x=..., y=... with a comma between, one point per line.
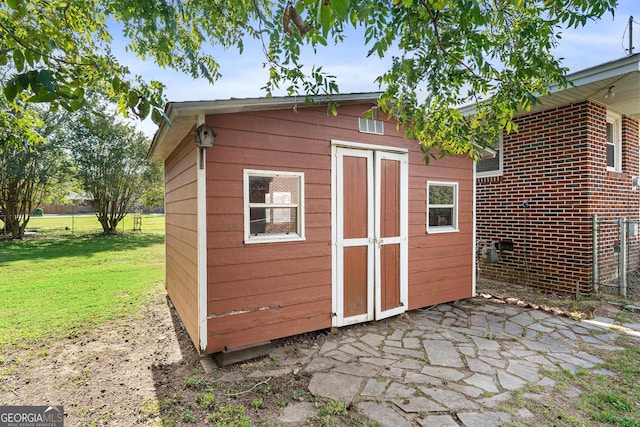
x=371, y=126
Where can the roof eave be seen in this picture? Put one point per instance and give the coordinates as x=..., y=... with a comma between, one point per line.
x=187, y=112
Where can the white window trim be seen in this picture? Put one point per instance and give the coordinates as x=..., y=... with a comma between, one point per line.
x=275, y=237
x=616, y=121
x=501, y=159
x=444, y=228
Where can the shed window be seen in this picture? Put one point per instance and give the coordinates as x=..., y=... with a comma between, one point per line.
x=274, y=206
x=442, y=207
x=491, y=166
x=614, y=151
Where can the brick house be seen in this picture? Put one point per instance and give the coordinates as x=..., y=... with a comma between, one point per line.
x=573, y=156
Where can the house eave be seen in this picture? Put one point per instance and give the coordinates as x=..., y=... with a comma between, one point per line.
x=621, y=75
x=183, y=116
x=616, y=68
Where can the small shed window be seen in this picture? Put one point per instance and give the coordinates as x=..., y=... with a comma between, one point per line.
x=614, y=151
x=491, y=166
x=442, y=207
x=274, y=206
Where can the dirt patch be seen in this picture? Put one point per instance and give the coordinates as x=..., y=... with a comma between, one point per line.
x=145, y=371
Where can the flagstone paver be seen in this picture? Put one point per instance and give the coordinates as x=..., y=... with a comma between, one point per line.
x=399, y=390
x=335, y=386
x=477, y=365
x=383, y=414
x=509, y=382
x=438, y=421
x=451, y=399
x=484, y=419
x=452, y=364
x=442, y=353
x=375, y=387
x=484, y=382
x=418, y=404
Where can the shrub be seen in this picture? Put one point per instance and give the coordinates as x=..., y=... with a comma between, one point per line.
x=37, y=212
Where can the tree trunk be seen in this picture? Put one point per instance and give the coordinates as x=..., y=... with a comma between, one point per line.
x=107, y=220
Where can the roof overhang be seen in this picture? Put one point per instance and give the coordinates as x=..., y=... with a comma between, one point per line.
x=621, y=75
x=183, y=116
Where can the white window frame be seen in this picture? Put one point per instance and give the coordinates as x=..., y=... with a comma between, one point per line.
x=444, y=228
x=616, y=122
x=273, y=237
x=498, y=146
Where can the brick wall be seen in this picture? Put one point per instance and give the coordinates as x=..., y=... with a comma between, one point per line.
x=556, y=163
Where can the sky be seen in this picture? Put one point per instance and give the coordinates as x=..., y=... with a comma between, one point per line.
x=243, y=76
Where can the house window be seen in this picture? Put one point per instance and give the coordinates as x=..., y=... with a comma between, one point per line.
x=614, y=151
x=442, y=207
x=274, y=206
x=491, y=166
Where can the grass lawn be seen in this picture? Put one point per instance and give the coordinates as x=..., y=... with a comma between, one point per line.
x=56, y=284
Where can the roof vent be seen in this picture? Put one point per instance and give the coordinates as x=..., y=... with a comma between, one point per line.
x=371, y=126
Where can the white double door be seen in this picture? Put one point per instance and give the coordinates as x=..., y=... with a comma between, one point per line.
x=370, y=234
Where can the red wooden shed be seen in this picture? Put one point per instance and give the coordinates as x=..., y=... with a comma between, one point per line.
x=296, y=220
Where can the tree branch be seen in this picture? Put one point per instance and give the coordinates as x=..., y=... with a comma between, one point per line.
x=21, y=43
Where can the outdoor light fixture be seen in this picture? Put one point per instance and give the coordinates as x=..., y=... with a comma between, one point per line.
x=204, y=139
x=204, y=136
x=610, y=93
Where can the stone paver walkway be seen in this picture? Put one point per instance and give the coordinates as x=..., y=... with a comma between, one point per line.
x=453, y=364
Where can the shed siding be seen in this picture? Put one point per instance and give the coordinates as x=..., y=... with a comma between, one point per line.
x=557, y=163
x=440, y=265
x=181, y=234
x=265, y=291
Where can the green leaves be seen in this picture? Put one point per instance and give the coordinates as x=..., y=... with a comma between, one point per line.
x=13, y=4
x=341, y=8
x=18, y=60
x=10, y=91
x=132, y=98
x=497, y=54
x=326, y=18
x=45, y=79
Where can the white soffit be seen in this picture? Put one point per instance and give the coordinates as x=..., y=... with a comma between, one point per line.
x=622, y=76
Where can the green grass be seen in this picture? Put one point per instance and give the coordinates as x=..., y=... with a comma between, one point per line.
x=605, y=400
x=55, y=284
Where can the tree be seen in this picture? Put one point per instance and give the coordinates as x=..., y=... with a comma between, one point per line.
x=29, y=164
x=153, y=195
x=60, y=50
x=496, y=53
x=110, y=158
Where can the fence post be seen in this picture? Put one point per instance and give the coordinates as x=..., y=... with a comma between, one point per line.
x=622, y=225
x=594, y=266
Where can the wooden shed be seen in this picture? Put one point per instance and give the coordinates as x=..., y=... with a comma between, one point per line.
x=296, y=220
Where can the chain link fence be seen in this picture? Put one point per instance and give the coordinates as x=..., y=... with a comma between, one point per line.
x=616, y=253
